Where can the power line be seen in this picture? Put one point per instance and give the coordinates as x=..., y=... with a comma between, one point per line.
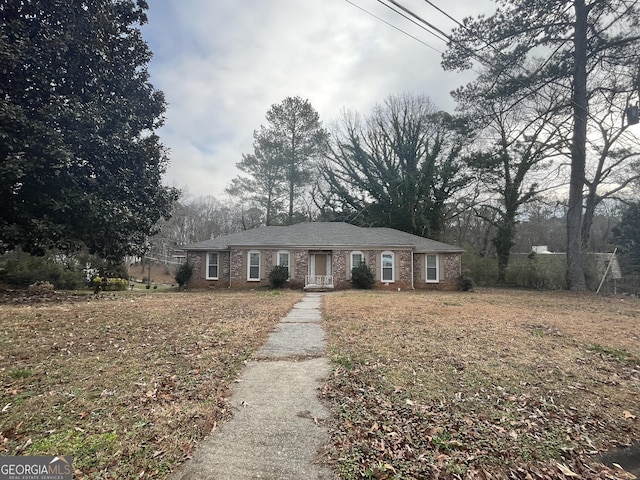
x=420, y=19
x=486, y=62
x=445, y=13
x=481, y=58
x=393, y=26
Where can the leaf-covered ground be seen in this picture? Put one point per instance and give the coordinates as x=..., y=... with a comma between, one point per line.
x=126, y=384
x=488, y=384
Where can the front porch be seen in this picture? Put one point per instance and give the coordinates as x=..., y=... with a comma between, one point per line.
x=318, y=283
x=320, y=273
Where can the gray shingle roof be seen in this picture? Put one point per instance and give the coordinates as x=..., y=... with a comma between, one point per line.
x=322, y=235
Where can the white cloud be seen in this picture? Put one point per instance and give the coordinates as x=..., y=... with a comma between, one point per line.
x=223, y=63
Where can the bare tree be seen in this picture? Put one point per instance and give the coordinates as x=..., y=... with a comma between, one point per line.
x=518, y=140
x=568, y=42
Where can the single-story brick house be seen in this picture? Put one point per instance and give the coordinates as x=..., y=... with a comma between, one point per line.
x=321, y=255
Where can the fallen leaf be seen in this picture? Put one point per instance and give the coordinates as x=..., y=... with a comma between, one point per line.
x=566, y=471
x=628, y=414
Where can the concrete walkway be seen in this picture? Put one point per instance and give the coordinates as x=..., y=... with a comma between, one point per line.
x=276, y=431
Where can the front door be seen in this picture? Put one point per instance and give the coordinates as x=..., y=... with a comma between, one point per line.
x=320, y=264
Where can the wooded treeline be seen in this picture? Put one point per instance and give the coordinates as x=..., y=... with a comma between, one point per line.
x=543, y=138
x=545, y=134
x=495, y=184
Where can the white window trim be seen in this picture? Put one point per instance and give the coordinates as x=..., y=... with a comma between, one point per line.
x=355, y=252
x=249, y=279
x=437, y=280
x=207, y=277
x=288, y=265
x=393, y=267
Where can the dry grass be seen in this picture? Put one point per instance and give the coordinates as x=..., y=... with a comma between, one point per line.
x=481, y=385
x=426, y=385
x=126, y=384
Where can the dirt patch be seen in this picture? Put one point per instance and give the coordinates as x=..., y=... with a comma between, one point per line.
x=489, y=384
x=126, y=384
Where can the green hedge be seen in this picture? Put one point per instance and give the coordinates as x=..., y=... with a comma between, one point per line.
x=22, y=270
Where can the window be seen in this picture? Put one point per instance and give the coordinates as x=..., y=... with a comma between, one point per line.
x=432, y=268
x=253, y=270
x=357, y=259
x=284, y=260
x=388, y=274
x=212, y=266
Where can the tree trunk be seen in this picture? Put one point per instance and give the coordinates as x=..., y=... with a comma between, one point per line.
x=589, y=214
x=575, y=272
x=292, y=176
x=269, y=209
x=504, y=241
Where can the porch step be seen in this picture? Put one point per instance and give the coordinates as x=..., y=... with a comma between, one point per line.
x=318, y=288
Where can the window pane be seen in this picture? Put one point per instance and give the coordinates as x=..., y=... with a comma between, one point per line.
x=387, y=267
x=254, y=266
x=213, y=271
x=283, y=261
x=357, y=259
x=212, y=267
x=432, y=268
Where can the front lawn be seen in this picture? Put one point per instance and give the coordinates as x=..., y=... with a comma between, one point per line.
x=490, y=384
x=125, y=383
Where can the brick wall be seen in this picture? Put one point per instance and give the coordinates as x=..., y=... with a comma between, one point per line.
x=199, y=262
x=235, y=276
x=449, y=264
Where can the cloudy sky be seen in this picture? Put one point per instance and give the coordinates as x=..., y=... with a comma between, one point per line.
x=223, y=63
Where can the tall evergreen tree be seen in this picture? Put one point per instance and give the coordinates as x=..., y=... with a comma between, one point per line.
x=79, y=160
x=284, y=161
x=297, y=133
x=265, y=184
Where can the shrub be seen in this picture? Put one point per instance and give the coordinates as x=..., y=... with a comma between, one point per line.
x=184, y=274
x=278, y=276
x=21, y=270
x=483, y=270
x=362, y=276
x=537, y=271
x=465, y=283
